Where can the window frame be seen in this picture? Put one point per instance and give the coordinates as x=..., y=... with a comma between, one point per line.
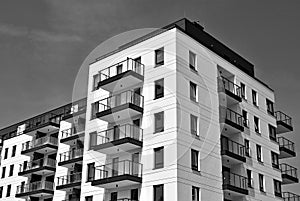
x=195, y=167
x=254, y=98
x=159, y=84
x=272, y=136
x=155, y=188
x=193, y=86
x=5, y=153
x=275, y=160
x=195, y=193
x=90, y=172
x=277, y=186
x=249, y=179
x=259, y=153
x=89, y=198
x=8, y=190
x=3, y=173
x=158, y=162
x=243, y=91
x=157, y=52
x=270, y=103
x=256, y=125
x=247, y=148
x=11, y=170
x=192, y=119
x=261, y=182
x=157, y=128
x=13, y=152
x=193, y=65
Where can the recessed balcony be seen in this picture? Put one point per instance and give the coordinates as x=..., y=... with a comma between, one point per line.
x=284, y=122
x=41, y=145
x=68, y=182
x=125, y=105
x=288, y=196
x=118, y=174
x=45, y=124
x=231, y=121
x=286, y=147
x=68, y=136
x=68, y=158
x=77, y=108
x=121, y=138
x=36, y=189
x=289, y=174
x=42, y=166
x=231, y=90
x=232, y=152
x=235, y=184
x=122, y=75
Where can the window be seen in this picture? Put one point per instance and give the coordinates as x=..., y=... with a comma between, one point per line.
x=13, y=153
x=96, y=79
x=261, y=182
x=247, y=147
x=8, y=190
x=193, y=92
x=159, y=122
x=259, y=153
x=256, y=124
x=243, y=90
x=6, y=153
x=277, y=188
x=158, y=157
x=91, y=171
x=192, y=60
x=245, y=118
x=158, y=192
x=275, y=160
x=249, y=178
x=3, y=172
x=195, y=193
x=11, y=170
x=95, y=109
x=272, y=133
x=159, y=89
x=1, y=191
x=114, y=196
x=270, y=107
x=195, y=160
x=89, y=198
x=159, y=57
x=194, y=124
x=254, y=98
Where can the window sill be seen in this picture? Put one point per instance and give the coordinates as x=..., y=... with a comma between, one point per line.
x=196, y=136
x=193, y=69
x=157, y=168
x=196, y=172
x=194, y=101
x=158, y=97
x=260, y=162
x=263, y=191
x=158, y=65
x=256, y=106
x=155, y=132
x=258, y=133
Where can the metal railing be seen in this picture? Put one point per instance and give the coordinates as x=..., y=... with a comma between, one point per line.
x=288, y=196
x=121, y=67
x=38, y=142
x=230, y=86
x=69, y=179
x=232, y=116
x=280, y=116
x=285, y=143
x=288, y=170
x=233, y=147
x=34, y=186
x=71, y=131
x=235, y=180
x=69, y=155
x=125, y=167
x=120, y=99
x=37, y=164
x=116, y=133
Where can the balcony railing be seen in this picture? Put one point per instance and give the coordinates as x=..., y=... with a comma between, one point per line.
x=125, y=167
x=288, y=170
x=280, y=116
x=288, y=196
x=35, y=186
x=49, y=162
x=117, y=133
x=230, y=86
x=72, y=199
x=71, y=132
x=38, y=142
x=121, y=67
x=69, y=179
x=232, y=116
x=232, y=147
x=285, y=143
x=235, y=180
x=69, y=155
x=120, y=99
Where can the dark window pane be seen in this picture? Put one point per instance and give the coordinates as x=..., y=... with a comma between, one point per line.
x=159, y=122
x=159, y=88
x=158, y=192
x=159, y=56
x=159, y=157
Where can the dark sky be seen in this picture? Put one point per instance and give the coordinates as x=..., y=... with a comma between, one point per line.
x=43, y=44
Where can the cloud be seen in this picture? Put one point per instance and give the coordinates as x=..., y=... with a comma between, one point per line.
x=37, y=35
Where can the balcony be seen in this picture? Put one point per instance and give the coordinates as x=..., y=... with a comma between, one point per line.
x=44, y=123
x=69, y=135
x=68, y=158
x=36, y=189
x=41, y=167
x=231, y=121
x=288, y=196
x=284, y=123
x=122, y=75
x=286, y=147
x=41, y=145
x=119, y=174
x=125, y=105
x=232, y=152
x=232, y=91
x=289, y=174
x=68, y=182
x=235, y=184
x=119, y=138
x=77, y=108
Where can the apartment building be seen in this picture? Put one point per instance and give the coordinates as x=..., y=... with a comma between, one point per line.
x=173, y=115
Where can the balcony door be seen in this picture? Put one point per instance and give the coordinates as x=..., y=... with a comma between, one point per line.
x=115, y=166
x=114, y=196
x=136, y=96
x=135, y=162
x=116, y=132
x=136, y=128
x=134, y=196
x=137, y=65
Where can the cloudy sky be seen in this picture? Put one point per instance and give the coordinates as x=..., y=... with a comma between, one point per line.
x=44, y=42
